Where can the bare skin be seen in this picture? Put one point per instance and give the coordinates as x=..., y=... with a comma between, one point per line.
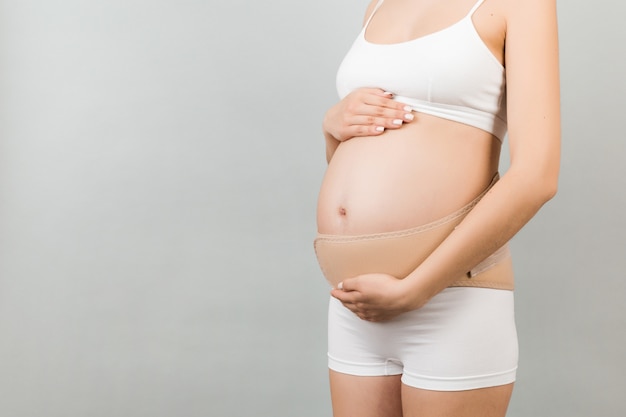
x=378, y=180
x=385, y=396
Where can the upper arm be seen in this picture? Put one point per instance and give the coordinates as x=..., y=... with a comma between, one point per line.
x=533, y=94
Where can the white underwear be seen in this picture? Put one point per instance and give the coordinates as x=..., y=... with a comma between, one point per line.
x=463, y=338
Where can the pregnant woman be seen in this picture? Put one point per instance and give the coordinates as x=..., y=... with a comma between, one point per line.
x=413, y=218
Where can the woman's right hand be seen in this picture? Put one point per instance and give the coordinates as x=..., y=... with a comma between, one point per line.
x=365, y=112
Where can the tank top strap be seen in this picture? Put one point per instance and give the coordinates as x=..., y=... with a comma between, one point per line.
x=476, y=6
x=373, y=13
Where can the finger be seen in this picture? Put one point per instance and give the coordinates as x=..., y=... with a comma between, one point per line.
x=364, y=130
x=373, y=114
x=350, y=284
x=375, y=91
x=367, y=316
x=345, y=297
x=379, y=97
x=379, y=106
x=340, y=295
x=386, y=102
x=379, y=111
x=351, y=307
x=388, y=121
x=398, y=113
x=362, y=314
x=372, y=125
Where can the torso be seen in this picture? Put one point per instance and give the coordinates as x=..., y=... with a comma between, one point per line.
x=424, y=170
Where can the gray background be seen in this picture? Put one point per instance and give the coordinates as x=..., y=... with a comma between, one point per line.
x=159, y=166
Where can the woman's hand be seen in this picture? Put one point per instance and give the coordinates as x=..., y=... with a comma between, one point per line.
x=365, y=112
x=374, y=297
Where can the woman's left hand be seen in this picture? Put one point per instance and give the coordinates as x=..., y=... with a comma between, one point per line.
x=373, y=297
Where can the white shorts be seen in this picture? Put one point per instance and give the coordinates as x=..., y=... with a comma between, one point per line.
x=463, y=338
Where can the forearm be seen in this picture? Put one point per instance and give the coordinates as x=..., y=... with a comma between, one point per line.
x=502, y=212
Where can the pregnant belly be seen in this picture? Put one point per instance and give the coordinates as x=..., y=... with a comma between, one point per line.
x=404, y=178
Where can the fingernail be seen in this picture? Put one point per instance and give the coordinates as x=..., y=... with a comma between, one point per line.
x=340, y=286
x=379, y=129
x=408, y=108
x=397, y=122
x=388, y=93
x=409, y=116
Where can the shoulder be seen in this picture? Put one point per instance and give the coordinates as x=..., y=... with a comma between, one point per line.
x=370, y=9
x=528, y=12
x=531, y=28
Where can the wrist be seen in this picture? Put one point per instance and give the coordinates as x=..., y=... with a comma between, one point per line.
x=327, y=127
x=413, y=297
x=329, y=136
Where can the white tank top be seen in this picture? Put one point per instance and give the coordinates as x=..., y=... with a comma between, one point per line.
x=450, y=73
